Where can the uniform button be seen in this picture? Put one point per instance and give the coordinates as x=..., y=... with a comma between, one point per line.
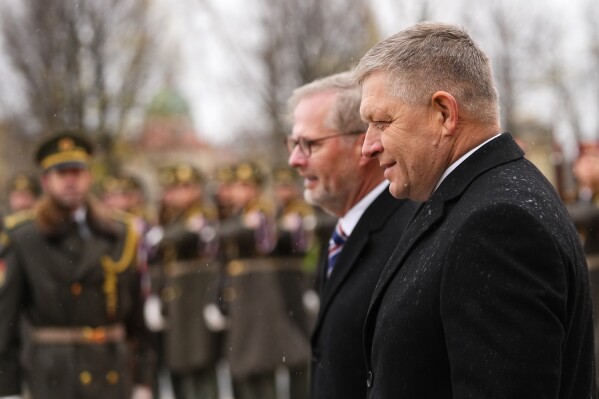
x=112, y=377
x=76, y=289
x=85, y=377
x=369, y=378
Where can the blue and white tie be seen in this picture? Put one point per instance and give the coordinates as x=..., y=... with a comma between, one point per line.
x=335, y=246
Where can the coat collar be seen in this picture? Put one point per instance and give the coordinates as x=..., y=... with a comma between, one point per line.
x=501, y=150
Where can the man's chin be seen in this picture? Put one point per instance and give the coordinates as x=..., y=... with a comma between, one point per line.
x=319, y=201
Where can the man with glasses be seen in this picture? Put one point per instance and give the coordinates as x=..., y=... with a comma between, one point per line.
x=325, y=148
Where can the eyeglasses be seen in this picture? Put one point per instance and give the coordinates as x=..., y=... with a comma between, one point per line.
x=305, y=145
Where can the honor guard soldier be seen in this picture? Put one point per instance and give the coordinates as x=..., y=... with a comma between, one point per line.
x=296, y=222
x=124, y=193
x=584, y=210
x=23, y=191
x=70, y=273
x=261, y=336
x=222, y=191
x=188, y=269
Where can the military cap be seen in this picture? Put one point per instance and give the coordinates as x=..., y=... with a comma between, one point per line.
x=285, y=175
x=248, y=172
x=67, y=149
x=179, y=174
x=23, y=182
x=120, y=184
x=224, y=174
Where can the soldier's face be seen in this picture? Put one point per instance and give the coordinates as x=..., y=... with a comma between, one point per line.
x=183, y=195
x=21, y=200
x=68, y=187
x=242, y=193
x=116, y=201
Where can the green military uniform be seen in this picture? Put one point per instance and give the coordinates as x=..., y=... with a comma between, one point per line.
x=187, y=283
x=296, y=222
x=81, y=298
x=72, y=277
x=261, y=336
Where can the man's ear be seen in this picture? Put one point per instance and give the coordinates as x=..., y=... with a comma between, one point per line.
x=445, y=111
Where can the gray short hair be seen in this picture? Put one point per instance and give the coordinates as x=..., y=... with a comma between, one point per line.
x=345, y=113
x=429, y=57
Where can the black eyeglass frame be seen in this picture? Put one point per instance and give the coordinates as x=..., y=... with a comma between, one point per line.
x=305, y=144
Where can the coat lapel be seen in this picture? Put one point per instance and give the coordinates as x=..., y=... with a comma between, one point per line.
x=92, y=251
x=373, y=219
x=426, y=217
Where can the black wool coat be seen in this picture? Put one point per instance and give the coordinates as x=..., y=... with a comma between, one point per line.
x=338, y=364
x=487, y=295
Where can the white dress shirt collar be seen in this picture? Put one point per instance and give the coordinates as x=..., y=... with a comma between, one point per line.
x=352, y=217
x=459, y=161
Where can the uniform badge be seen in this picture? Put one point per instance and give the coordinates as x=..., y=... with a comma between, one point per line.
x=66, y=144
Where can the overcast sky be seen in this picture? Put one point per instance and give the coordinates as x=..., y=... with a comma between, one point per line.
x=209, y=68
x=220, y=110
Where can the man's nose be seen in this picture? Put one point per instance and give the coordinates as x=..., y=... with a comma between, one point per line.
x=372, y=146
x=297, y=157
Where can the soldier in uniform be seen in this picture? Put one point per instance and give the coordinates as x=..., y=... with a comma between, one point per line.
x=296, y=222
x=584, y=210
x=125, y=193
x=222, y=191
x=187, y=282
x=261, y=336
x=23, y=191
x=70, y=272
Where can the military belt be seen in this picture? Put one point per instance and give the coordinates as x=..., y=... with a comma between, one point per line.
x=263, y=265
x=202, y=265
x=78, y=335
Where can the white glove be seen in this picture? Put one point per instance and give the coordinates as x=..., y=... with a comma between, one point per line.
x=154, y=236
x=141, y=392
x=311, y=301
x=153, y=314
x=215, y=320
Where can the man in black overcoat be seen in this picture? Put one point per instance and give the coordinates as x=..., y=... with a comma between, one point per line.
x=487, y=294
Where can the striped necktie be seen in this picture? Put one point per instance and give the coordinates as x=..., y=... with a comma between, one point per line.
x=335, y=246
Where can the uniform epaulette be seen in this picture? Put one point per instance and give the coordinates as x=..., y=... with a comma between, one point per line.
x=18, y=218
x=121, y=216
x=206, y=210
